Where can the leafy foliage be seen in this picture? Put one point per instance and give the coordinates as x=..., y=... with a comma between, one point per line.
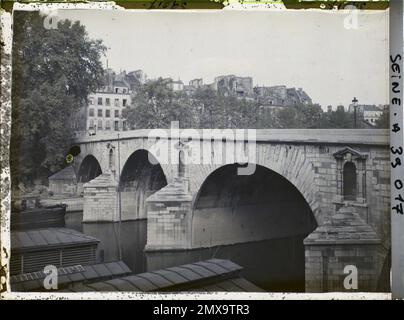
x=155, y=105
x=54, y=70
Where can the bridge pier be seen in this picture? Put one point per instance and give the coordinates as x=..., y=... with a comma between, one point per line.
x=101, y=199
x=342, y=244
x=169, y=217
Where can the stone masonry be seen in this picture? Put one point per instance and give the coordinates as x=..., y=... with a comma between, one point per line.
x=168, y=217
x=311, y=159
x=343, y=240
x=101, y=199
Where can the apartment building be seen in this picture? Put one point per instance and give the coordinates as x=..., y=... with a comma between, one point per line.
x=369, y=113
x=104, y=111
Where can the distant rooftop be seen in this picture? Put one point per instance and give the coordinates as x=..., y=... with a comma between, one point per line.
x=365, y=107
x=371, y=108
x=119, y=83
x=178, y=81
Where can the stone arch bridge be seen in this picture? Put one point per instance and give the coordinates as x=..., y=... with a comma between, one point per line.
x=209, y=188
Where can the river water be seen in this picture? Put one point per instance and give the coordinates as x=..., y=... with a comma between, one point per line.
x=273, y=265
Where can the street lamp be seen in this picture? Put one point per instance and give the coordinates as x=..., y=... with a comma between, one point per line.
x=119, y=197
x=111, y=147
x=355, y=105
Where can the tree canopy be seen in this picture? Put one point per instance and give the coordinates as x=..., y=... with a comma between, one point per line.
x=54, y=70
x=155, y=105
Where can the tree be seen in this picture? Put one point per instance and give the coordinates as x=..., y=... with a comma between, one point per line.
x=286, y=118
x=309, y=116
x=156, y=105
x=206, y=102
x=266, y=118
x=339, y=119
x=54, y=70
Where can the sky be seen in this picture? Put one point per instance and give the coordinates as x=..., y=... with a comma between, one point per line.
x=297, y=48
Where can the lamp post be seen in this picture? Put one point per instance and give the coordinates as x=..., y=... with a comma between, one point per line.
x=110, y=146
x=119, y=179
x=355, y=105
x=119, y=197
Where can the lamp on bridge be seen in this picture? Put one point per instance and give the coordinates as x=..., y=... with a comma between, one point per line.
x=355, y=106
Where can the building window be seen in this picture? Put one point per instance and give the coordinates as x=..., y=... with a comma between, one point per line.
x=116, y=113
x=91, y=112
x=91, y=101
x=107, y=101
x=116, y=102
x=107, y=113
x=124, y=125
x=100, y=101
x=91, y=124
x=124, y=90
x=116, y=125
x=107, y=125
x=124, y=102
x=99, y=112
x=116, y=90
x=99, y=124
x=349, y=177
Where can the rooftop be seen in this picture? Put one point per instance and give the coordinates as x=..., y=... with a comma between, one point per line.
x=38, y=239
x=119, y=83
x=371, y=108
x=209, y=275
x=70, y=275
x=64, y=174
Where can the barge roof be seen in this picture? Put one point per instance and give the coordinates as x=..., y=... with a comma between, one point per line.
x=47, y=238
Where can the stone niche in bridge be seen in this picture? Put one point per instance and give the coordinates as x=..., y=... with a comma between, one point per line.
x=344, y=239
x=101, y=199
x=169, y=217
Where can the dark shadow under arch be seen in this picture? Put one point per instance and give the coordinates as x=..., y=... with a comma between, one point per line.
x=139, y=179
x=231, y=210
x=89, y=169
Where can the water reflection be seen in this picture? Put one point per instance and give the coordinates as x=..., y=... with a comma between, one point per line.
x=274, y=265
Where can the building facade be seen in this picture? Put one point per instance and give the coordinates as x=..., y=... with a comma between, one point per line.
x=281, y=96
x=369, y=113
x=175, y=85
x=104, y=111
x=196, y=83
x=231, y=85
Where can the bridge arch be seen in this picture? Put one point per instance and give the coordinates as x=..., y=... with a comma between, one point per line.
x=141, y=176
x=261, y=214
x=292, y=162
x=89, y=169
x=231, y=208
